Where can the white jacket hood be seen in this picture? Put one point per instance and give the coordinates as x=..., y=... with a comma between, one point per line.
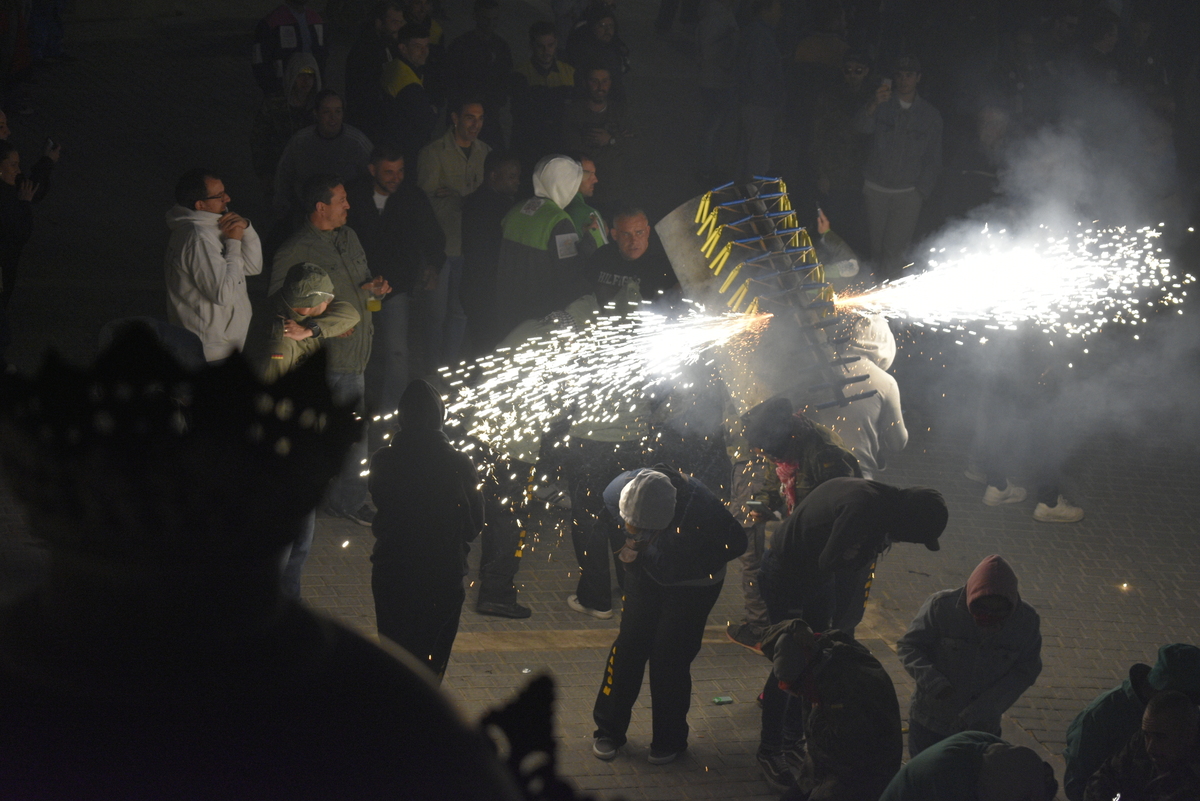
x=557, y=178
x=871, y=338
x=178, y=217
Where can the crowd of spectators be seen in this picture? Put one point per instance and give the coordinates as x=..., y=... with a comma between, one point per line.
x=412, y=229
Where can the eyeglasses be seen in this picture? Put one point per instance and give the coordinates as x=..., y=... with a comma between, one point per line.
x=221, y=196
x=854, y=70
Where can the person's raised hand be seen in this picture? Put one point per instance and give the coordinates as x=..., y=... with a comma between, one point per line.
x=26, y=190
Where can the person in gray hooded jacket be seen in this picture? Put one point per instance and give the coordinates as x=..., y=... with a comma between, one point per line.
x=872, y=426
x=972, y=651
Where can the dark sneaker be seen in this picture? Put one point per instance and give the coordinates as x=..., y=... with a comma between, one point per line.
x=775, y=770
x=605, y=748
x=513, y=610
x=746, y=635
x=657, y=757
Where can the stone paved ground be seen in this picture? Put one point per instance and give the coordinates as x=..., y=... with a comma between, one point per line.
x=155, y=92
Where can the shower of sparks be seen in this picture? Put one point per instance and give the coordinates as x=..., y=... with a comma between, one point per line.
x=1075, y=284
x=596, y=375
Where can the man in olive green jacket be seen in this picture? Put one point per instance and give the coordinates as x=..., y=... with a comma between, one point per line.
x=301, y=318
x=325, y=240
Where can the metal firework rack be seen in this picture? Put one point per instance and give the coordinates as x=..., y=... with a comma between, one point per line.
x=762, y=260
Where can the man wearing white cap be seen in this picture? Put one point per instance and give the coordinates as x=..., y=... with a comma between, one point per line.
x=679, y=537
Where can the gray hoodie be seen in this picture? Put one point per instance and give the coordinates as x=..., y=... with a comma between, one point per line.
x=871, y=426
x=206, y=279
x=967, y=675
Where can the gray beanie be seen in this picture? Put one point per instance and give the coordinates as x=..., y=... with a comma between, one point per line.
x=648, y=501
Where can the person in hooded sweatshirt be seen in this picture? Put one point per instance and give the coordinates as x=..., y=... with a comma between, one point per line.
x=541, y=251
x=209, y=255
x=819, y=568
x=972, y=651
x=678, y=537
x=429, y=508
x=869, y=427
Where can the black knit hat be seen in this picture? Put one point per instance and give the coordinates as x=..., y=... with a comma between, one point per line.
x=769, y=426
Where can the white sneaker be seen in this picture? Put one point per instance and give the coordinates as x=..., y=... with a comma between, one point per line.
x=573, y=602
x=1061, y=512
x=974, y=473
x=1010, y=494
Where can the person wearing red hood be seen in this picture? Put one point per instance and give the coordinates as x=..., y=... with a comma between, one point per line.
x=972, y=651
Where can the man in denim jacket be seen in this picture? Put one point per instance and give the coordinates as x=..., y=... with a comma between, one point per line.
x=972, y=651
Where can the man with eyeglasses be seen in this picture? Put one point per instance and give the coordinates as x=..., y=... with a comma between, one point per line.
x=209, y=255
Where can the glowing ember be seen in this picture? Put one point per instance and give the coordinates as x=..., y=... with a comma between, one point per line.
x=1073, y=284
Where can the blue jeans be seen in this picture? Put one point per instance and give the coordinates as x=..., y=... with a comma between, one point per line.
x=445, y=320
x=348, y=492
x=295, y=554
x=391, y=340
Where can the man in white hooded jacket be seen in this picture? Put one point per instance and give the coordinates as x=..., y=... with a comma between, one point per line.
x=209, y=255
x=541, y=251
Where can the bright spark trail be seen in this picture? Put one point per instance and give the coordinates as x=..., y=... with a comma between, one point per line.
x=595, y=373
x=1075, y=284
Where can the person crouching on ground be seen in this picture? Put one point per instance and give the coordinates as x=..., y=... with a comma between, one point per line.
x=679, y=537
x=430, y=508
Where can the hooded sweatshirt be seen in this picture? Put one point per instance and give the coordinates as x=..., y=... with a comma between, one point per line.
x=270, y=352
x=872, y=426
x=206, y=279
x=987, y=669
x=540, y=258
x=845, y=522
x=429, y=501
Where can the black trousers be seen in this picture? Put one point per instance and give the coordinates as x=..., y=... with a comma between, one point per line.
x=590, y=466
x=503, y=538
x=420, y=620
x=662, y=626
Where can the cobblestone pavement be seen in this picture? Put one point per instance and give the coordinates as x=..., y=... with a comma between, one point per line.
x=152, y=95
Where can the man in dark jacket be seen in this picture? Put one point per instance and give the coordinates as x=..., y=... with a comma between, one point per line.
x=429, y=509
x=478, y=64
x=853, y=723
x=819, y=567
x=1159, y=763
x=634, y=255
x=301, y=317
x=410, y=114
x=376, y=46
x=1107, y=723
x=482, y=229
x=540, y=88
x=678, y=537
x=403, y=243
